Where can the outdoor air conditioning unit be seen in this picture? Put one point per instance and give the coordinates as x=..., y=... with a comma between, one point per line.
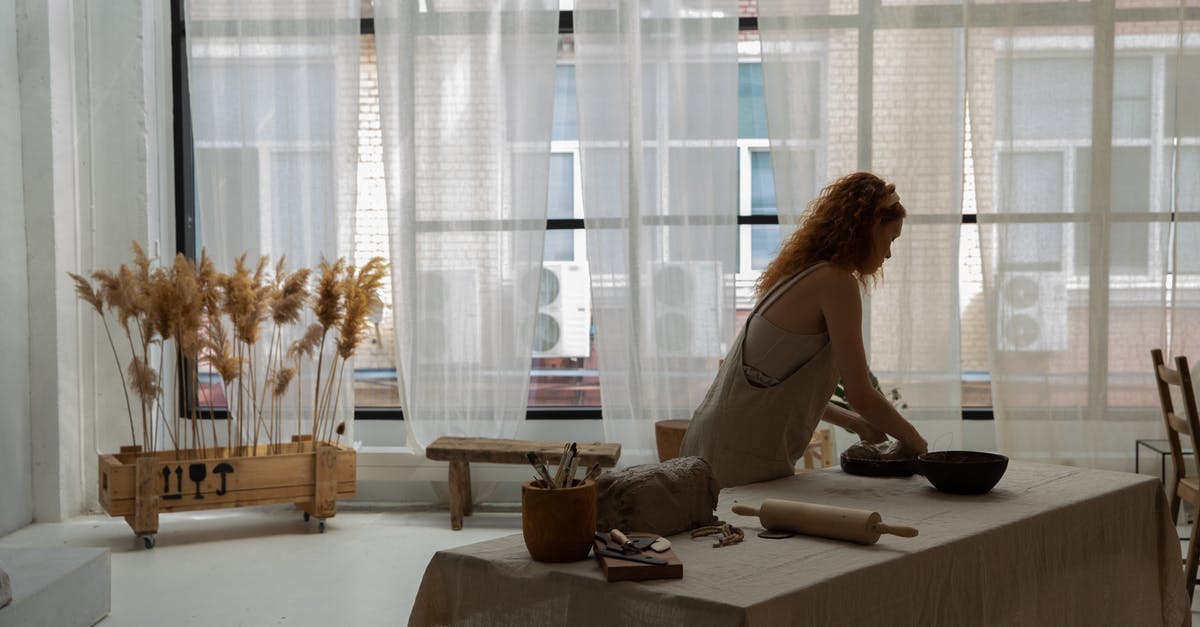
x=449, y=325
x=685, y=299
x=564, y=311
x=1032, y=312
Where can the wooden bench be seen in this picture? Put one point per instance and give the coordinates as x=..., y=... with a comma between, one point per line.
x=460, y=452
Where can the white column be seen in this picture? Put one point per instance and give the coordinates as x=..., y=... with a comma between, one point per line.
x=16, y=469
x=90, y=126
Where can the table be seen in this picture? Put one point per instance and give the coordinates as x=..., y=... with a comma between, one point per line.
x=1160, y=446
x=1050, y=545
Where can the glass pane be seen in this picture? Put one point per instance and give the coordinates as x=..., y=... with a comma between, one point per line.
x=1182, y=97
x=752, y=110
x=301, y=189
x=976, y=385
x=564, y=352
x=764, y=244
x=1130, y=190
x=1187, y=197
x=1131, y=97
x=566, y=114
x=561, y=202
x=272, y=99
x=1048, y=98
x=762, y=184
x=375, y=362
x=1031, y=183
x=560, y=245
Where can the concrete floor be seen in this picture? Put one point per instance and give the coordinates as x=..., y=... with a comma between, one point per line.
x=265, y=566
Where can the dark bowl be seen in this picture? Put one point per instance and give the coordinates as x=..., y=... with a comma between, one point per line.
x=963, y=472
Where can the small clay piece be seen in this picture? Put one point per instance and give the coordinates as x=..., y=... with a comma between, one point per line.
x=660, y=545
x=775, y=534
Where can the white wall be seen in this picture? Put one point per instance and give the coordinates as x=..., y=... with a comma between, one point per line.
x=91, y=128
x=124, y=122
x=45, y=52
x=16, y=478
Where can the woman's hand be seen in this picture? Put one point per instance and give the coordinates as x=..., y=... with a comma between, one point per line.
x=870, y=434
x=915, y=447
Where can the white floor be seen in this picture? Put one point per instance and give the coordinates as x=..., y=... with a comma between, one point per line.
x=265, y=566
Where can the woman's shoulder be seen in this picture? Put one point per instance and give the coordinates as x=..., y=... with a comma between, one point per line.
x=834, y=281
x=832, y=273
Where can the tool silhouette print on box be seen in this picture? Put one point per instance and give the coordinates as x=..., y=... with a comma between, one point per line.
x=196, y=474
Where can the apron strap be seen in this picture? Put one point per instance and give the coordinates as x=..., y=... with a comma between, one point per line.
x=780, y=288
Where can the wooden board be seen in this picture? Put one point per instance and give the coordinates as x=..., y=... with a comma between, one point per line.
x=624, y=570
x=502, y=451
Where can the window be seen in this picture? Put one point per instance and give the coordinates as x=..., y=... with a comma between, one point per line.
x=1042, y=170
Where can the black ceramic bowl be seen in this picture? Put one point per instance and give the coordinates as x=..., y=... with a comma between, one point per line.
x=963, y=472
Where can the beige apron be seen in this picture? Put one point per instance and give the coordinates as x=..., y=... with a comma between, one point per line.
x=749, y=433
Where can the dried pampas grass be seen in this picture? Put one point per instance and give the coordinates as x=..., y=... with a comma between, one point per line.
x=203, y=317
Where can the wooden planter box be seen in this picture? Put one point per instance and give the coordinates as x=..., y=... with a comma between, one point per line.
x=140, y=486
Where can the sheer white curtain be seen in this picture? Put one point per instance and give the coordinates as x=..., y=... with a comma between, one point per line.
x=655, y=82
x=1085, y=133
x=274, y=102
x=889, y=102
x=466, y=92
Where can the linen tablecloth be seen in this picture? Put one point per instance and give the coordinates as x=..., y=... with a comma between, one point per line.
x=1049, y=545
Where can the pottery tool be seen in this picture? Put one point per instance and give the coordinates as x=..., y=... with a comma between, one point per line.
x=540, y=468
x=827, y=521
x=569, y=479
x=593, y=472
x=623, y=541
x=560, y=476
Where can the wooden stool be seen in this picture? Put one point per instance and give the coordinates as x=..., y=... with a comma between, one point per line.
x=460, y=452
x=820, y=450
x=668, y=434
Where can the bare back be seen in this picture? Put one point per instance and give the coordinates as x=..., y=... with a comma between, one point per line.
x=798, y=310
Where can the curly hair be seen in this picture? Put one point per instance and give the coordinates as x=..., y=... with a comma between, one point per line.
x=836, y=227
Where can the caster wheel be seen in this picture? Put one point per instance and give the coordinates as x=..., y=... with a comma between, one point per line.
x=306, y=516
x=148, y=542
x=321, y=526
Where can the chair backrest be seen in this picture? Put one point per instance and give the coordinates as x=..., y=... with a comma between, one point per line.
x=1187, y=425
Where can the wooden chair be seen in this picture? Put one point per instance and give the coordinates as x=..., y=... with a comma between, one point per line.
x=1183, y=488
x=819, y=453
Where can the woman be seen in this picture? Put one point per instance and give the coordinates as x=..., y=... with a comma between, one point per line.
x=804, y=334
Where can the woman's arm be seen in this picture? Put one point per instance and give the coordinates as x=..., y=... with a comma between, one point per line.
x=841, y=305
x=849, y=420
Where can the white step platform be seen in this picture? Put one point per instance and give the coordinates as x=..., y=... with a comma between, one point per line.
x=55, y=587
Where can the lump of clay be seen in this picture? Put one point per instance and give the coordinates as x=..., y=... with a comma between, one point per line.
x=889, y=450
x=668, y=498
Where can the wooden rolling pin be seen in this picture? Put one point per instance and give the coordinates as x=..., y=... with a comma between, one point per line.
x=827, y=521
